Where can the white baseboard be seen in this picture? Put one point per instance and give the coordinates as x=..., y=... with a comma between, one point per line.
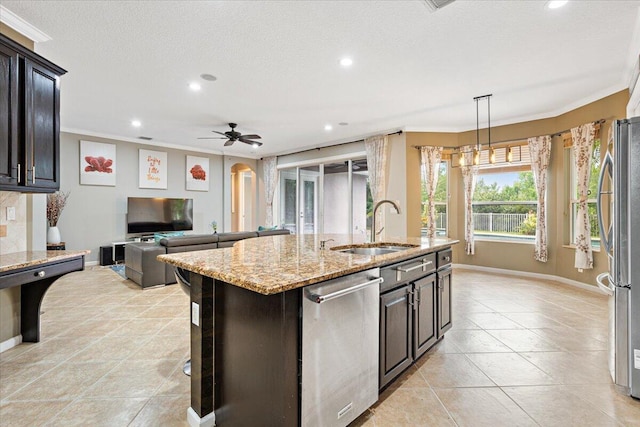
x=10, y=343
x=563, y=280
x=194, y=420
x=90, y=263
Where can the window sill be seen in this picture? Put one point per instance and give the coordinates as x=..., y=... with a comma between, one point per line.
x=593, y=249
x=504, y=240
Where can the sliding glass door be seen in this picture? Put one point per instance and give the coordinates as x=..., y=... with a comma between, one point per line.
x=326, y=198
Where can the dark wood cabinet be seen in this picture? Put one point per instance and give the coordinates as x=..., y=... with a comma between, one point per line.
x=415, y=310
x=9, y=101
x=396, y=323
x=425, y=329
x=29, y=120
x=444, y=301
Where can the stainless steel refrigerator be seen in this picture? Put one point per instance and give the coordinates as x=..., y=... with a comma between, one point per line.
x=619, y=219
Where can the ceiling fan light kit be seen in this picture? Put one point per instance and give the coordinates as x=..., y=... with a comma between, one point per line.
x=233, y=136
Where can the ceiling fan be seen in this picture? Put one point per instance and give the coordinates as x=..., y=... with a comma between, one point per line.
x=233, y=136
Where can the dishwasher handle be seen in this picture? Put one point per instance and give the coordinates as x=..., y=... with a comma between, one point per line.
x=319, y=299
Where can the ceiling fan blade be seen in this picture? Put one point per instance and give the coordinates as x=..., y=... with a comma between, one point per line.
x=229, y=142
x=220, y=133
x=212, y=137
x=250, y=142
x=251, y=136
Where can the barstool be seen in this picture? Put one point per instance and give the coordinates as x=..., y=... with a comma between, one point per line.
x=182, y=277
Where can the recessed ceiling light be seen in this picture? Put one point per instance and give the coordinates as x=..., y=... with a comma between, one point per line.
x=208, y=77
x=136, y=123
x=328, y=127
x=555, y=4
x=343, y=124
x=346, y=62
x=195, y=86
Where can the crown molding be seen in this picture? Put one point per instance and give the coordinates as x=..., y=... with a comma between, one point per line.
x=23, y=27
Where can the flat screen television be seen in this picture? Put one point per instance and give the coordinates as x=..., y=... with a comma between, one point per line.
x=154, y=214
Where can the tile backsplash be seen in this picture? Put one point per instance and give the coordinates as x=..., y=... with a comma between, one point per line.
x=16, y=238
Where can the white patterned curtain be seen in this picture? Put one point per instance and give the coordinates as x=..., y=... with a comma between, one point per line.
x=582, y=138
x=377, y=148
x=430, y=158
x=469, y=175
x=270, y=181
x=540, y=151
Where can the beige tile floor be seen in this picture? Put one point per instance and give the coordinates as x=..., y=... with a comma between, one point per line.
x=522, y=352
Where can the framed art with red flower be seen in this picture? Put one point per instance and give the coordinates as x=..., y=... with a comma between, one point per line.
x=97, y=163
x=197, y=173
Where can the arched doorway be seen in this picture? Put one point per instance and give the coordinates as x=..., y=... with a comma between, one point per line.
x=243, y=198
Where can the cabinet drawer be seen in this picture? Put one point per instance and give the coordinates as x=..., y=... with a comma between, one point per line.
x=406, y=271
x=33, y=274
x=444, y=258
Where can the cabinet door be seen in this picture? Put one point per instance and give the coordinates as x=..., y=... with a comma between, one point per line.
x=395, y=333
x=425, y=330
x=444, y=301
x=8, y=116
x=42, y=127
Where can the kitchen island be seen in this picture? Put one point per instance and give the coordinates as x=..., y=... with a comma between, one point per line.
x=247, y=360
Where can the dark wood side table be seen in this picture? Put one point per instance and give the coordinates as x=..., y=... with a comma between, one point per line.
x=56, y=246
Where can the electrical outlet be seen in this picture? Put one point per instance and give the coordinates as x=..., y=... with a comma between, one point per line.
x=195, y=314
x=3, y=231
x=11, y=213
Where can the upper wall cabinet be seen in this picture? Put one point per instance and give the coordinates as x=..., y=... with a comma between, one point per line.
x=29, y=120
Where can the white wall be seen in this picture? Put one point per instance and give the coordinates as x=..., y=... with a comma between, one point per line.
x=395, y=225
x=96, y=215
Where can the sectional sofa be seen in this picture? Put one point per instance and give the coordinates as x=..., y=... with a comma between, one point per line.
x=142, y=267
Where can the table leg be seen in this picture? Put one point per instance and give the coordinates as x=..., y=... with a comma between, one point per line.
x=30, y=301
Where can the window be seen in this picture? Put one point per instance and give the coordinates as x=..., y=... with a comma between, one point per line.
x=441, y=199
x=505, y=205
x=592, y=194
x=505, y=200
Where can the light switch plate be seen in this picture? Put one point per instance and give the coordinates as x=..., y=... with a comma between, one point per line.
x=11, y=213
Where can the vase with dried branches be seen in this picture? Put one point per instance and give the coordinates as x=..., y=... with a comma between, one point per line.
x=55, y=204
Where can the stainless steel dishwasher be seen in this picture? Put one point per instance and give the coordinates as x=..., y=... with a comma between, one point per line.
x=340, y=330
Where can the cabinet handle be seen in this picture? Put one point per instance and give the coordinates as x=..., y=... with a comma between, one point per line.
x=40, y=273
x=400, y=270
x=18, y=173
x=33, y=174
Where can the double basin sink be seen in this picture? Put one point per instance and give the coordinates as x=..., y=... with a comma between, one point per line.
x=373, y=248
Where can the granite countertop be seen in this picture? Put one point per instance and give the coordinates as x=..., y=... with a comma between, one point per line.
x=274, y=264
x=18, y=260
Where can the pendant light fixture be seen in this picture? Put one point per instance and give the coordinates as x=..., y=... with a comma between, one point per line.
x=476, y=151
x=492, y=153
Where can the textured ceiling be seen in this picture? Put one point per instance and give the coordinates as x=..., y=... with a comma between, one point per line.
x=278, y=71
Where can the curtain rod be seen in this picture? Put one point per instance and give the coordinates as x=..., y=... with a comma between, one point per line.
x=601, y=121
x=597, y=122
x=398, y=132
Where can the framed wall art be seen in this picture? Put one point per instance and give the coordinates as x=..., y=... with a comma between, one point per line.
x=197, y=173
x=153, y=169
x=97, y=163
